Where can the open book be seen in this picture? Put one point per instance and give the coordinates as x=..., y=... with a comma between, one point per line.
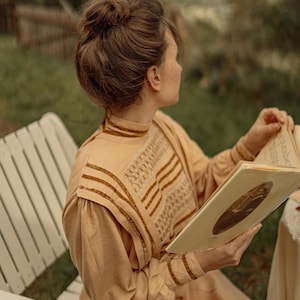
x=248, y=195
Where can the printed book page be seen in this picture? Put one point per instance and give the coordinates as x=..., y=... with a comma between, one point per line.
x=282, y=150
x=296, y=136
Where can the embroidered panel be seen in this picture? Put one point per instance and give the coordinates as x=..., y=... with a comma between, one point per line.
x=142, y=169
x=173, y=209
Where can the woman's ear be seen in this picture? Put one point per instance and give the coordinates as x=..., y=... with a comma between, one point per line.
x=154, y=78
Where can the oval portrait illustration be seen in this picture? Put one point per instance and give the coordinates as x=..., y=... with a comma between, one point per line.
x=242, y=207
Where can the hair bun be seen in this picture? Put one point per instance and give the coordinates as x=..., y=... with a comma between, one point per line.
x=120, y=13
x=104, y=15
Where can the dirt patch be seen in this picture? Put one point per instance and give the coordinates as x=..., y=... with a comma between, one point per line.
x=6, y=128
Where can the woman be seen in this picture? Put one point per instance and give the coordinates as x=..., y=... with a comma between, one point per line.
x=139, y=178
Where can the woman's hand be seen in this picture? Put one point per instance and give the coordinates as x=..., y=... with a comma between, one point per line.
x=268, y=123
x=228, y=254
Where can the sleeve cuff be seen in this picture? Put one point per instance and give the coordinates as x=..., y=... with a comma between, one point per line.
x=240, y=152
x=184, y=269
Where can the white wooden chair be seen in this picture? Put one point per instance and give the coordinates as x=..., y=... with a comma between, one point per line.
x=35, y=163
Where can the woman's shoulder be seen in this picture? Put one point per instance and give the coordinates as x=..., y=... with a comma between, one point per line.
x=167, y=123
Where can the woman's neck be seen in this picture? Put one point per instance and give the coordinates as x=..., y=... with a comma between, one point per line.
x=137, y=113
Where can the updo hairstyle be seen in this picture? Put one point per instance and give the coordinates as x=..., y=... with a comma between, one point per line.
x=119, y=40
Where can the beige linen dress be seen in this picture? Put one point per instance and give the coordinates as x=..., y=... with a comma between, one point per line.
x=132, y=189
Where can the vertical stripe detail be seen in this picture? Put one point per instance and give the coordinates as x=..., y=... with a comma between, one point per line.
x=129, y=199
x=172, y=273
x=187, y=267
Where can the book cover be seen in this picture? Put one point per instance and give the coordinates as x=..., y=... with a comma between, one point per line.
x=250, y=193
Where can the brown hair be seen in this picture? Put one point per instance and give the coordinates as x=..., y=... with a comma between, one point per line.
x=119, y=41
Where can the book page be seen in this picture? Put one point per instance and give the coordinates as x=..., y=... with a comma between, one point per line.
x=296, y=135
x=281, y=150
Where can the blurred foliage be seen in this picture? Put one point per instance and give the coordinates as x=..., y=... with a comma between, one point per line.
x=282, y=25
x=257, y=55
x=49, y=3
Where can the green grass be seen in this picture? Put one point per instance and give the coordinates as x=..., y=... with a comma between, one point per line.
x=32, y=84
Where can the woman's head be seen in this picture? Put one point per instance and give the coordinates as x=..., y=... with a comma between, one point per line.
x=119, y=41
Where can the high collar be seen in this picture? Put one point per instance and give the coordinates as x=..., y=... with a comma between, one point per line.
x=120, y=127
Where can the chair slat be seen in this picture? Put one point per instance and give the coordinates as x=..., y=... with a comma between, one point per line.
x=49, y=162
x=43, y=196
x=25, y=193
x=55, y=144
x=10, y=296
x=68, y=296
x=12, y=276
x=3, y=283
x=11, y=189
x=75, y=287
x=35, y=164
x=17, y=259
x=66, y=141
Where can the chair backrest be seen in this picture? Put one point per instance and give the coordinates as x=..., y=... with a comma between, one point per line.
x=35, y=163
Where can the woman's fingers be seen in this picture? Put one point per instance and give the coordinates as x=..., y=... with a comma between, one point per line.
x=244, y=240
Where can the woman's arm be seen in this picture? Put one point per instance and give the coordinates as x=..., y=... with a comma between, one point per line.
x=105, y=257
x=208, y=173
